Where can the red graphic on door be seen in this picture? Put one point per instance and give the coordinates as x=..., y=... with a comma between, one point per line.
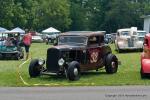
x=94, y=53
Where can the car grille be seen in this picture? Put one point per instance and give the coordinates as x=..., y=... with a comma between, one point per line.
x=53, y=56
x=130, y=42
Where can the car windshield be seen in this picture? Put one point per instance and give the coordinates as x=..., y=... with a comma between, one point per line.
x=125, y=33
x=72, y=40
x=141, y=33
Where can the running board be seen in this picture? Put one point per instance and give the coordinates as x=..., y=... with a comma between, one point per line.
x=48, y=73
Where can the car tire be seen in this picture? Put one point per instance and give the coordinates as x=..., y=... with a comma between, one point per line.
x=21, y=53
x=1, y=56
x=142, y=74
x=73, y=72
x=17, y=57
x=111, y=64
x=34, y=68
x=118, y=49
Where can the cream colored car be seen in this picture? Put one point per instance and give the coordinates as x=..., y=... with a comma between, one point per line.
x=129, y=39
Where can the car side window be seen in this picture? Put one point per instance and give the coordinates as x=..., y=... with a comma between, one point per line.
x=94, y=41
x=101, y=39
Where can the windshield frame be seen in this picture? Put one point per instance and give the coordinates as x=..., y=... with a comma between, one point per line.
x=72, y=43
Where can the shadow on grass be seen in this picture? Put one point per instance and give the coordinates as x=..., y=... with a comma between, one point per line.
x=129, y=51
x=147, y=77
x=63, y=77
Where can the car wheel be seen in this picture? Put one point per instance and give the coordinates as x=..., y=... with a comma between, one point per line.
x=118, y=49
x=111, y=64
x=1, y=56
x=17, y=57
x=34, y=68
x=73, y=72
x=142, y=74
x=21, y=53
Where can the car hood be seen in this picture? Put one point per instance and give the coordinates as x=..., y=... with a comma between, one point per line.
x=69, y=47
x=8, y=49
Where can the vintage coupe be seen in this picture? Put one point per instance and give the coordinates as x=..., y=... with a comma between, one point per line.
x=145, y=57
x=129, y=39
x=76, y=52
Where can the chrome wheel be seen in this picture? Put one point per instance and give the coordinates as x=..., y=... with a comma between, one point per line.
x=76, y=71
x=113, y=64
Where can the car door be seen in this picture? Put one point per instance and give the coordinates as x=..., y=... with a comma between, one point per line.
x=93, y=52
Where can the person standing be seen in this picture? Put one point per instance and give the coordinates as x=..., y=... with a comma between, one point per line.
x=27, y=38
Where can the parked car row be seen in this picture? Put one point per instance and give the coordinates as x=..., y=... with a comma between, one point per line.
x=110, y=38
x=79, y=51
x=76, y=52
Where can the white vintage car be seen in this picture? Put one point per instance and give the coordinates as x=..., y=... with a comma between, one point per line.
x=37, y=39
x=129, y=39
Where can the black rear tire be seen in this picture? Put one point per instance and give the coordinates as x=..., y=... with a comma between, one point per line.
x=73, y=72
x=34, y=68
x=111, y=64
x=142, y=74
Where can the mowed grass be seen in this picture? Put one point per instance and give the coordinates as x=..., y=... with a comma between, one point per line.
x=128, y=72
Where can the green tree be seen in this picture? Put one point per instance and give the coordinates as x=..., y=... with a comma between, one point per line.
x=55, y=13
x=26, y=13
x=78, y=16
x=6, y=13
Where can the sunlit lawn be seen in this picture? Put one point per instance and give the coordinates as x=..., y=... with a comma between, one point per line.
x=128, y=72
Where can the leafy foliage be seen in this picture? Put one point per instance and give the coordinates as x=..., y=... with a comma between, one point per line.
x=108, y=15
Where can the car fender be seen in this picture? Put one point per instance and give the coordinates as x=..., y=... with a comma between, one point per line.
x=145, y=65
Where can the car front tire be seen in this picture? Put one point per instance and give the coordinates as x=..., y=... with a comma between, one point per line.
x=34, y=68
x=73, y=72
x=111, y=64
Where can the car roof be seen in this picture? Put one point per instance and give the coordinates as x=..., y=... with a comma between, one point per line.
x=83, y=33
x=125, y=29
x=129, y=29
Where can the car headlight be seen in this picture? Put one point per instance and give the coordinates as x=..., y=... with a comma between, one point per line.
x=41, y=61
x=61, y=62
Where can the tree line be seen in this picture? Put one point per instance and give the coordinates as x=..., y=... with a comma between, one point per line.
x=74, y=15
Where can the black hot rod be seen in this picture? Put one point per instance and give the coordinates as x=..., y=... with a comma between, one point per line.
x=75, y=52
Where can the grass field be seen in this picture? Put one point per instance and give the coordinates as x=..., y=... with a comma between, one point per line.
x=128, y=72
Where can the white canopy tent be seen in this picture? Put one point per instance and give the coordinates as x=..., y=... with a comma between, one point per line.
x=3, y=30
x=51, y=33
x=17, y=30
x=50, y=30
